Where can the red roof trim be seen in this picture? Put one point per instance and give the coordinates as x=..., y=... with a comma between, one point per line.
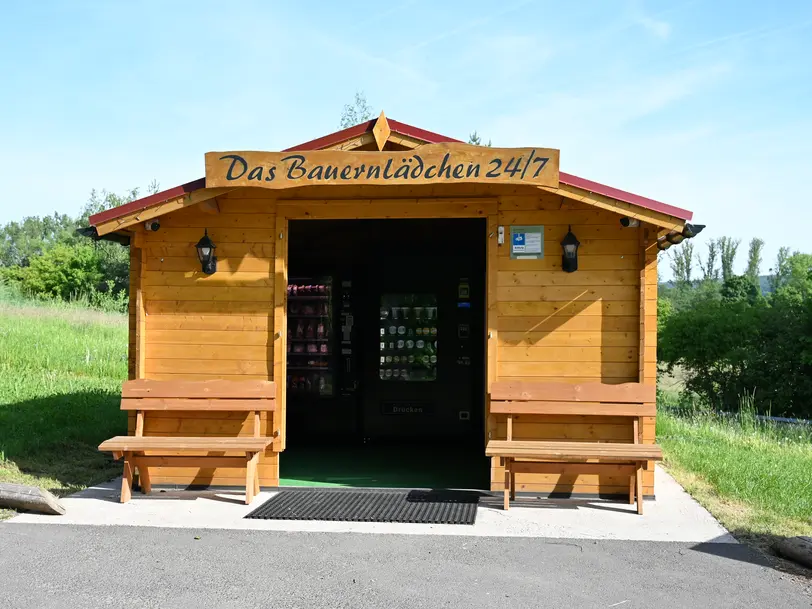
x=403, y=129
x=335, y=138
x=420, y=134
x=139, y=204
x=626, y=197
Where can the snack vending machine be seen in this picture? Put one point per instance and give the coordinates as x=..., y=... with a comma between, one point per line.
x=321, y=380
x=311, y=352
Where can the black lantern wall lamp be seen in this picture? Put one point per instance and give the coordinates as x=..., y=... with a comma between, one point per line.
x=569, y=260
x=205, y=253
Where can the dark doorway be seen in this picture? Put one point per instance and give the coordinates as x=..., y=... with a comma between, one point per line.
x=386, y=353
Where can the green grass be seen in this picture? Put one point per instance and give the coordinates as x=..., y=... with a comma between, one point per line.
x=755, y=476
x=61, y=368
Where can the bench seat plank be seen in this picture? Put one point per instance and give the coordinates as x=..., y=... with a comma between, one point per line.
x=574, y=408
x=180, y=444
x=231, y=405
x=529, y=449
x=633, y=393
x=148, y=388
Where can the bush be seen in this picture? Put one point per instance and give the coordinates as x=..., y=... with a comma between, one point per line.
x=61, y=272
x=744, y=344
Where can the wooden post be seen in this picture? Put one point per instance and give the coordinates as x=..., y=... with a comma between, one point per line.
x=647, y=366
x=639, y=485
x=250, y=476
x=143, y=478
x=138, y=257
x=127, y=478
x=143, y=471
x=647, y=362
x=139, y=423
x=507, y=483
x=491, y=318
x=280, y=323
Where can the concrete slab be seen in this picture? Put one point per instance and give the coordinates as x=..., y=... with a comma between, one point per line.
x=674, y=516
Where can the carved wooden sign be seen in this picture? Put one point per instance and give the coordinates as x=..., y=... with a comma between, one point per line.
x=428, y=164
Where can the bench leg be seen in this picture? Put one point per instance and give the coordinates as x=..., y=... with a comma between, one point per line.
x=143, y=479
x=507, y=484
x=250, y=476
x=632, y=482
x=127, y=478
x=639, y=485
x=256, y=477
x=512, y=484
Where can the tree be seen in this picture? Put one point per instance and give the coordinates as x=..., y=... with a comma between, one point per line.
x=739, y=287
x=727, y=249
x=780, y=272
x=794, y=276
x=356, y=112
x=47, y=257
x=24, y=240
x=476, y=140
x=682, y=262
x=754, y=261
x=63, y=272
x=709, y=270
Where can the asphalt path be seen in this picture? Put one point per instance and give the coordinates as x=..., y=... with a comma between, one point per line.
x=43, y=566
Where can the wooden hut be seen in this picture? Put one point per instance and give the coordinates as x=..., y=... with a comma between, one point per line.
x=488, y=292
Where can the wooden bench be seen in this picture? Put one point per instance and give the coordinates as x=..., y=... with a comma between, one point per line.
x=143, y=396
x=631, y=400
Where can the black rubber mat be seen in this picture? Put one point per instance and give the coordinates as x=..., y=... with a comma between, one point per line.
x=373, y=505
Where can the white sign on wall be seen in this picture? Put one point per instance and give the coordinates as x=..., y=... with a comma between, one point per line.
x=526, y=242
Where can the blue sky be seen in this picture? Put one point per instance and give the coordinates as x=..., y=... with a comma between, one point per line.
x=704, y=105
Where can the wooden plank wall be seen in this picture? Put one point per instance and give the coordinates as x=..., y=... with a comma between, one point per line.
x=550, y=326
x=572, y=327
x=132, y=322
x=218, y=326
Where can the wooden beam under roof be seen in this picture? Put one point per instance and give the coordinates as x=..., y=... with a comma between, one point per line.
x=355, y=142
x=619, y=207
x=142, y=215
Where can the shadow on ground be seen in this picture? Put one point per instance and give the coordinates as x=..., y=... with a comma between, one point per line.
x=757, y=549
x=56, y=439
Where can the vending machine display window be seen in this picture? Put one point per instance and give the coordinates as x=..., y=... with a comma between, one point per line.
x=310, y=342
x=408, y=337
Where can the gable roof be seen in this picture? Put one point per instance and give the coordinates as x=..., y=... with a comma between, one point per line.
x=410, y=131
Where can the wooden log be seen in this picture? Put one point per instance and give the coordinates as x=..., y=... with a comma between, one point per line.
x=798, y=549
x=30, y=498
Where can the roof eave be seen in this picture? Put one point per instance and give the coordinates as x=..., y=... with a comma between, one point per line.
x=403, y=129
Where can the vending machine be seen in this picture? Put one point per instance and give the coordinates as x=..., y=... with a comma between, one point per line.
x=321, y=359
x=425, y=360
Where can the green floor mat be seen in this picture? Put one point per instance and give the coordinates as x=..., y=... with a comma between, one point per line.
x=384, y=467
